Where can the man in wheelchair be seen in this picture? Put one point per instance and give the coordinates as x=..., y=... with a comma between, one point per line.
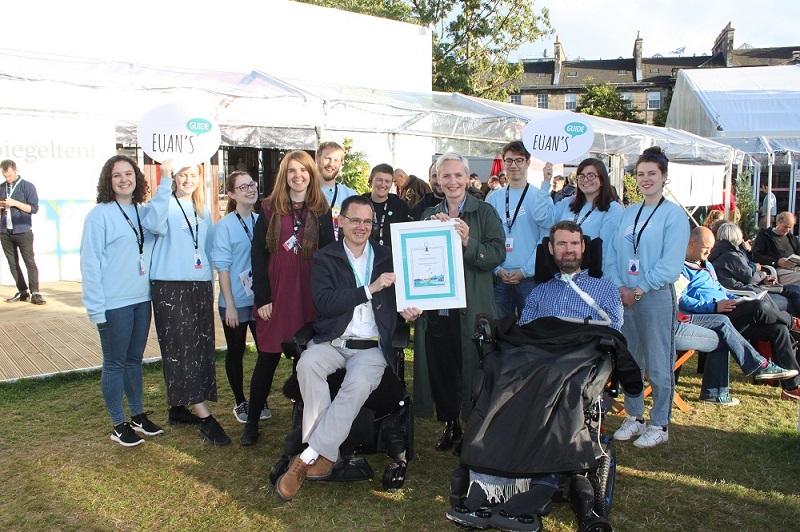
x=534, y=432
x=352, y=287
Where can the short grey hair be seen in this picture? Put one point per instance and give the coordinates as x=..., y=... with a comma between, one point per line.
x=452, y=156
x=730, y=231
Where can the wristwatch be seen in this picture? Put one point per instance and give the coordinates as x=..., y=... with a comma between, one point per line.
x=637, y=296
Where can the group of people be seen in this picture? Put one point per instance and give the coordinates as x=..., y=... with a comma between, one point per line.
x=320, y=252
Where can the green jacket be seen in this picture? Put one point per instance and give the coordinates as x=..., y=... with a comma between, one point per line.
x=485, y=251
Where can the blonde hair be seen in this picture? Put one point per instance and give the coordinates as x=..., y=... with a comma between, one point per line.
x=198, y=196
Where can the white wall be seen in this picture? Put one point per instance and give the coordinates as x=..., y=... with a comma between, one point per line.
x=282, y=38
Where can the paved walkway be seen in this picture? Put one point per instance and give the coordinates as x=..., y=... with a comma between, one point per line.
x=40, y=340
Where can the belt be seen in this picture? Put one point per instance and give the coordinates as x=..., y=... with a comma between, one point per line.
x=353, y=343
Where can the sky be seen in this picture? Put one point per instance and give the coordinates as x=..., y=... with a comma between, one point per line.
x=606, y=29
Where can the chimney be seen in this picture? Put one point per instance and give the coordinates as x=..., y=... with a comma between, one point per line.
x=558, y=58
x=724, y=45
x=637, y=58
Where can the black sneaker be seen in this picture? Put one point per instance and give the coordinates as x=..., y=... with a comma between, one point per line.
x=142, y=425
x=19, y=296
x=123, y=434
x=212, y=432
x=250, y=435
x=180, y=415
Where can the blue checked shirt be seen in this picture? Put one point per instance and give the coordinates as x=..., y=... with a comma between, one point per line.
x=557, y=298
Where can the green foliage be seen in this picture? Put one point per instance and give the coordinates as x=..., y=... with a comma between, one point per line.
x=746, y=204
x=472, y=39
x=355, y=169
x=631, y=189
x=601, y=99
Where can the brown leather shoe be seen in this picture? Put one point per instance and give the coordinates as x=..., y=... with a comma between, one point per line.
x=290, y=482
x=320, y=469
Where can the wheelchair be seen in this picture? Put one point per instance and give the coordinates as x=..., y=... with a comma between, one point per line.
x=509, y=372
x=385, y=424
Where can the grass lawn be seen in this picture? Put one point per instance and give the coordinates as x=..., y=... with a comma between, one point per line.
x=723, y=469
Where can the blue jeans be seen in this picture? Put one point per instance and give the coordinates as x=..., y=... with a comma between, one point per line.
x=123, y=338
x=791, y=292
x=510, y=298
x=649, y=328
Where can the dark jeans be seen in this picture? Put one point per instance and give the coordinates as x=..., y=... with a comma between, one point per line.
x=24, y=243
x=443, y=348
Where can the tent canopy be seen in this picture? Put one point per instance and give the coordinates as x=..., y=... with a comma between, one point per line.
x=753, y=109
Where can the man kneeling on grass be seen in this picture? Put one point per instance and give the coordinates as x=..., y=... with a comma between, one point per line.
x=353, y=290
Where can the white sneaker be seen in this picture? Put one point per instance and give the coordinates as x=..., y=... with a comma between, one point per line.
x=629, y=428
x=240, y=412
x=653, y=435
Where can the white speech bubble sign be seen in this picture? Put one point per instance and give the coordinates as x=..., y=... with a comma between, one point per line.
x=558, y=137
x=189, y=135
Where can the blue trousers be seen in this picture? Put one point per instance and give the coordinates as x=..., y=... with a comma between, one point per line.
x=510, y=298
x=123, y=338
x=649, y=328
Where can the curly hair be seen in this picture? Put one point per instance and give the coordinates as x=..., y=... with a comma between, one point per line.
x=105, y=194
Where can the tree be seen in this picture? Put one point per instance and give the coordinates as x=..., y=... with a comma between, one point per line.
x=472, y=39
x=601, y=99
x=355, y=168
x=746, y=204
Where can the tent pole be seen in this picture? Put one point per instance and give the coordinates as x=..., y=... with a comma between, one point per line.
x=726, y=195
x=770, y=160
x=792, y=183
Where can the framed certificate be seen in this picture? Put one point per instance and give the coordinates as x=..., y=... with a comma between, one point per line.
x=428, y=262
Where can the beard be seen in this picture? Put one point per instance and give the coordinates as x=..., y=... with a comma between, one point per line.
x=569, y=264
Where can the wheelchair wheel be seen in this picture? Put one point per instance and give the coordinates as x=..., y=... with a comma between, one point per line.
x=603, y=482
x=394, y=476
x=278, y=468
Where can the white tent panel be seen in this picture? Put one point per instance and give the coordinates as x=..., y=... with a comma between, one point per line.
x=696, y=184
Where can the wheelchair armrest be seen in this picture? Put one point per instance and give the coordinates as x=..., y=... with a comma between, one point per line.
x=770, y=270
x=298, y=343
x=401, y=336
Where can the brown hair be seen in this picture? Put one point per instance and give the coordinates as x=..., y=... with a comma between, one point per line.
x=606, y=195
x=230, y=185
x=105, y=194
x=653, y=155
x=279, y=203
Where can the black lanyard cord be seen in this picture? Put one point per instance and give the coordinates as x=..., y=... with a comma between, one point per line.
x=140, y=233
x=196, y=233
x=637, y=239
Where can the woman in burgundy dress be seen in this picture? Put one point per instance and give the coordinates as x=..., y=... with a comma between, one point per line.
x=295, y=222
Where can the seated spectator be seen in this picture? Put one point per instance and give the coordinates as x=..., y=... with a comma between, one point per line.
x=736, y=272
x=759, y=317
x=559, y=189
x=715, y=335
x=494, y=183
x=353, y=329
x=773, y=246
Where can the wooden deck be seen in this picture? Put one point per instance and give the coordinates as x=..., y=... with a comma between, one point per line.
x=41, y=340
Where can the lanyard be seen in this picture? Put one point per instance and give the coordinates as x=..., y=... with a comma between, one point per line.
x=335, y=195
x=244, y=226
x=637, y=239
x=12, y=189
x=367, y=277
x=196, y=233
x=380, y=224
x=298, y=220
x=510, y=221
x=140, y=233
x=587, y=215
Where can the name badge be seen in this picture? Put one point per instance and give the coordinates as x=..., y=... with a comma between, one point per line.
x=633, y=267
x=246, y=278
x=141, y=265
x=198, y=262
x=509, y=244
x=290, y=244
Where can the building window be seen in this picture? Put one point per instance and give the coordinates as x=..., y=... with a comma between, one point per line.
x=654, y=100
x=516, y=99
x=674, y=72
x=654, y=71
x=541, y=74
x=622, y=71
x=570, y=102
x=542, y=101
x=628, y=97
x=572, y=74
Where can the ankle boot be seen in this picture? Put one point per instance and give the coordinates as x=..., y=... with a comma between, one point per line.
x=452, y=433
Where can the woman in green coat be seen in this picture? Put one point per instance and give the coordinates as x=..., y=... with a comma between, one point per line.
x=445, y=359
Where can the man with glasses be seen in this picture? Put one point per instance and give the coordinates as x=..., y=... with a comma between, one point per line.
x=515, y=204
x=352, y=285
x=775, y=246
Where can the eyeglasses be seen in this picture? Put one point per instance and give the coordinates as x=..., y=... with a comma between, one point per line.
x=591, y=176
x=253, y=185
x=359, y=221
x=510, y=162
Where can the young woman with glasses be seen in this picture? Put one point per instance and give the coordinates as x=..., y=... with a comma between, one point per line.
x=233, y=236
x=295, y=222
x=595, y=205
